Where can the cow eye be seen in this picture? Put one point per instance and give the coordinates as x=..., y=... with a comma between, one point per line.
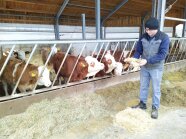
x=92, y=64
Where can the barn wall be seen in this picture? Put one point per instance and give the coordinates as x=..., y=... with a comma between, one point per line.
x=46, y=32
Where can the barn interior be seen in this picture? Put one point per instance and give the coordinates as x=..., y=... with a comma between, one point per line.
x=64, y=112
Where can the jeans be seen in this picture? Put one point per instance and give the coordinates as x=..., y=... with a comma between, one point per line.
x=154, y=74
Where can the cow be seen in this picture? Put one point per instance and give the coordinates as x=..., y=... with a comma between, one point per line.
x=80, y=71
x=86, y=66
x=120, y=56
x=29, y=78
x=94, y=66
x=13, y=71
x=108, y=61
x=118, y=69
x=44, y=79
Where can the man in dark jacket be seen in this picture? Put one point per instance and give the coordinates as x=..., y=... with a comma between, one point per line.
x=153, y=48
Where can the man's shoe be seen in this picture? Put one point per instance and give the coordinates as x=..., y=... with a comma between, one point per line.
x=154, y=113
x=141, y=105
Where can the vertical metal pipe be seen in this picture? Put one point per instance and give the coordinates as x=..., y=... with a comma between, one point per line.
x=154, y=4
x=142, y=25
x=184, y=24
x=159, y=10
x=56, y=30
x=101, y=31
x=162, y=17
x=98, y=20
x=83, y=26
x=104, y=32
x=56, y=26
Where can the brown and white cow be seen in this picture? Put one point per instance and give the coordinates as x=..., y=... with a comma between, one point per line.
x=108, y=61
x=86, y=66
x=121, y=56
x=80, y=71
x=13, y=71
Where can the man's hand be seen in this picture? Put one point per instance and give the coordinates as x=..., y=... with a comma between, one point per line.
x=142, y=62
x=136, y=62
x=130, y=59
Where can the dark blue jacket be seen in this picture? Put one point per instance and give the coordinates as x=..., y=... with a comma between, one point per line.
x=153, y=49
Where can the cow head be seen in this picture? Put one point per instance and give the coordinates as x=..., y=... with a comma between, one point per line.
x=118, y=69
x=44, y=79
x=94, y=66
x=110, y=61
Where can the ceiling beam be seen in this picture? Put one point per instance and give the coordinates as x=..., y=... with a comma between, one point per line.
x=114, y=10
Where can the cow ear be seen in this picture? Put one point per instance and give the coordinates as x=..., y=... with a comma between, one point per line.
x=4, y=54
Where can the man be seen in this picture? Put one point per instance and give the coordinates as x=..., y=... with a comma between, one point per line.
x=153, y=48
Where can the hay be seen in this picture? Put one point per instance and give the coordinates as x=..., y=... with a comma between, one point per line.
x=47, y=118
x=133, y=120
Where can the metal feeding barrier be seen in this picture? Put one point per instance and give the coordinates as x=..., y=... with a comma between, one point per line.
x=177, y=52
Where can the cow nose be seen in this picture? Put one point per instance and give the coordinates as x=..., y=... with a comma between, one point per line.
x=92, y=64
x=109, y=61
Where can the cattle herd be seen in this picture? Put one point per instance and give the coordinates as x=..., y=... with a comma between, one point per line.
x=26, y=76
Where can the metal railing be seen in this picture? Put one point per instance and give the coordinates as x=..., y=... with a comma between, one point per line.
x=177, y=52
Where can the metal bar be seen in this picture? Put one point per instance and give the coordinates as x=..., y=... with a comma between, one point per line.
x=175, y=19
x=123, y=50
x=170, y=51
x=98, y=20
x=162, y=19
x=184, y=49
x=24, y=68
x=115, y=48
x=101, y=31
x=64, y=42
x=154, y=4
x=105, y=33
x=49, y=56
x=114, y=10
x=94, y=49
x=99, y=50
x=170, y=7
x=7, y=59
x=104, y=51
x=175, y=50
x=83, y=26
x=180, y=46
x=87, y=7
x=76, y=63
x=56, y=26
x=184, y=24
x=61, y=64
x=159, y=10
x=67, y=41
